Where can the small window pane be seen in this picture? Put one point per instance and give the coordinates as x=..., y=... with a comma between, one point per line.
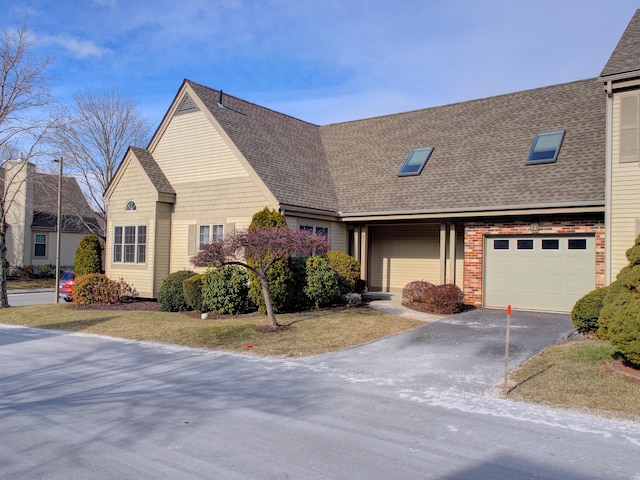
x=216, y=233
x=323, y=232
x=546, y=146
x=416, y=161
x=130, y=206
x=501, y=244
x=204, y=236
x=40, y=245
x=525, y=244
x=306, y=228
x=553, y=244
x=577, y=244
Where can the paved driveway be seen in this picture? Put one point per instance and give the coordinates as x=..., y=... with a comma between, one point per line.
x=463, y=352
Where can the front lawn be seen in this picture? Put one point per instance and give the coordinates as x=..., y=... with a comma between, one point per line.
x=310, y=333
x=577, y=374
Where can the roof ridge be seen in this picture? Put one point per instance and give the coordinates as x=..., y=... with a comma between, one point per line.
x=253, y=104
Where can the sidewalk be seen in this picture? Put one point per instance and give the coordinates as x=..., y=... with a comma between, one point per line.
x=392, y=303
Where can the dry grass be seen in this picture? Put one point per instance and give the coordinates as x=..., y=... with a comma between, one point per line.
x=31, y=283
x=575, y=374
x=310, y=333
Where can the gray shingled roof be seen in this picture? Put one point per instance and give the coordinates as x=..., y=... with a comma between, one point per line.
x=76, y=213
x=479, y=156
x=285, y=152
x=152, y=170
x=478, y=161
x=625, y=57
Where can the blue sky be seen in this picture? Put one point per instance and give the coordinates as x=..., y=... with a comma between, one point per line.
x=323, y=61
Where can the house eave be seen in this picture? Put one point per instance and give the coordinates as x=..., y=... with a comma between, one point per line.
x=477, y=212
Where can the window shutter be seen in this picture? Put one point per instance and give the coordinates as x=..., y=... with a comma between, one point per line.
x=629, y=128
x=191, y=241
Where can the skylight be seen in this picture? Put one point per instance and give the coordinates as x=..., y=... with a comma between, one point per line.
x=546, y=146
x=415, y=162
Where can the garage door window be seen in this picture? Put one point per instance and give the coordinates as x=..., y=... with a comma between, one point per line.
x=577, y=244
x=526, y=244
x=501, y=244
x=552, y=244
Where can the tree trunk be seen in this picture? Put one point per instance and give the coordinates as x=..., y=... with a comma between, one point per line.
x=264, y=283
x=4, y=264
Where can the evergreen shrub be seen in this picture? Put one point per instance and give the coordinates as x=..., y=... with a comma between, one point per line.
x=322, y=282
x=586, y=311
x=171, y=294
x=88, y=257
x=192, y=288
x=348, y=270
x=225, y=290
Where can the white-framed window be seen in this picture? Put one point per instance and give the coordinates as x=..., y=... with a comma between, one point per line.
x=130, y=206
x=40, y=245
x=209, y=233
x=130, y=244
x=323, y=231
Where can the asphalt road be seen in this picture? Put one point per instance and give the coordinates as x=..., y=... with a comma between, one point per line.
x=76, y=406
x=21, y=298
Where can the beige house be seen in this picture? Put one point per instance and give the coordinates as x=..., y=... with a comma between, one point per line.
x=527, y=199
x=31, y=206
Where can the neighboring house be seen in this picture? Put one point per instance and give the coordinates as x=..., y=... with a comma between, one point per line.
x=513, y=198
x=31, y=203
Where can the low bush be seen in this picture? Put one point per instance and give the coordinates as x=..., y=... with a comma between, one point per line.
x=444, y=299
x=352, y=299
x=96, y=288
x=47, y=270
x=348, y=270
x=586, y=311
x=322, y=282
x=225, y=290
x=414, y=292
x=192, y=289
x=171, y=293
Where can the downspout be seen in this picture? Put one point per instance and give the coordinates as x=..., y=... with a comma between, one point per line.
x=607, y=183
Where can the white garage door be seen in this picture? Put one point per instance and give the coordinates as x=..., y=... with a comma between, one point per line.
x=538, y=273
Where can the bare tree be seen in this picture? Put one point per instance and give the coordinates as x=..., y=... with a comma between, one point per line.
x=103, y=124
x=25, y=119
x=262, y=246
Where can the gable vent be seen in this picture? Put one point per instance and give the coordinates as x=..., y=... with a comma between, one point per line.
x=187, y=106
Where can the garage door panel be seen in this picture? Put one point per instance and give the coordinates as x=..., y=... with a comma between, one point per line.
x=539, y=279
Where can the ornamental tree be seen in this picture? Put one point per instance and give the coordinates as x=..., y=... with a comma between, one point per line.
x=257, y=249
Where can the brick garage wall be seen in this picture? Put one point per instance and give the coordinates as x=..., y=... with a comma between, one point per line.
x=475, y=232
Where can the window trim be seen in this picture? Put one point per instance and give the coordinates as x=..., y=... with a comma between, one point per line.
x=124, y=248
x=130, y=206
x=36, y=244
x=211, y=235
x=538, y=136
x=408, y=162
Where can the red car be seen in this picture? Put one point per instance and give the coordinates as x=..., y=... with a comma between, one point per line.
x=66, y=284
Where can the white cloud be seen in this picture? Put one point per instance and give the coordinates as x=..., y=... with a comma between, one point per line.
x=79, y=48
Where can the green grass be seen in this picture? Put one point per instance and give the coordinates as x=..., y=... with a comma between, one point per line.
x=309, y=333
x=576, y=374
